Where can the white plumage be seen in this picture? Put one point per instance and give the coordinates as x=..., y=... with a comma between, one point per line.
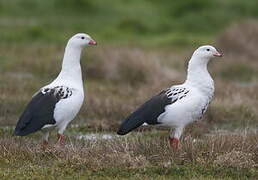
x=179, y=105
x=57, y=103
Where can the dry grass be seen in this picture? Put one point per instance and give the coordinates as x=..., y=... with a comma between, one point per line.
x=118, y=79
x=241, y=39
x=237, y=159
x=216, y=151
x=132, y=67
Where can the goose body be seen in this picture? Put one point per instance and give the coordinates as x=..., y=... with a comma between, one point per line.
x=57, y=104
x=181, y=104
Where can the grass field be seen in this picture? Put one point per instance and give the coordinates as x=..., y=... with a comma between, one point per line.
x=143, y=47
x=146, y=23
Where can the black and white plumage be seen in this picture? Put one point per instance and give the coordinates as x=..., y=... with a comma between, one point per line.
x=179, y=105
x=56, y=104
x=152, y=109
x=41, y=107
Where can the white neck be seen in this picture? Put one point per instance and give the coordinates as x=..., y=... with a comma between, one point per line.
x=71, y=69
x=198, y=75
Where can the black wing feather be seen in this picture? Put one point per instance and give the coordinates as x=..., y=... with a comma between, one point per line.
x=39, y=112
x=148, y=112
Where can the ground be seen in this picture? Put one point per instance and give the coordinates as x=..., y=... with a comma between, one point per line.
x=143, y=47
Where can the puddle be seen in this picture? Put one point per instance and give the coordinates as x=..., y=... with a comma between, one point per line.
x=247, y=84
x=97, y=136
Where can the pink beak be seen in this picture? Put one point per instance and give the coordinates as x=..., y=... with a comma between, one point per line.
x=217, y=54
x=92, y=42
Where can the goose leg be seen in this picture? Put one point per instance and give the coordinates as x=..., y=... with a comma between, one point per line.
x=174, y=137
x=60, y=134
x=45, y=140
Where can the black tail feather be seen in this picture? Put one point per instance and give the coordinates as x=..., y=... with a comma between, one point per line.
x=39, y=112
x=148, y=112
x=130, y=124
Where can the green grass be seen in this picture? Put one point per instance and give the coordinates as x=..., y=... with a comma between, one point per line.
x=146, y=23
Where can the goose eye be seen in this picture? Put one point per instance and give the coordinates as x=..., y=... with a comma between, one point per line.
x=207, y=49
x=82, y=37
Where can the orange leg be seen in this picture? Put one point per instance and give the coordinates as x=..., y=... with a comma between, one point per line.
x=60, y=139
x=173, y=143
x=44, y=144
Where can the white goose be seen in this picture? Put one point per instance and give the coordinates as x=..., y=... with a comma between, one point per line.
x=181, y=104
x=57, y=104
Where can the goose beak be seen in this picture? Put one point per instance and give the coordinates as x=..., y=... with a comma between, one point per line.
x=217, y=54
x=92, y=42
